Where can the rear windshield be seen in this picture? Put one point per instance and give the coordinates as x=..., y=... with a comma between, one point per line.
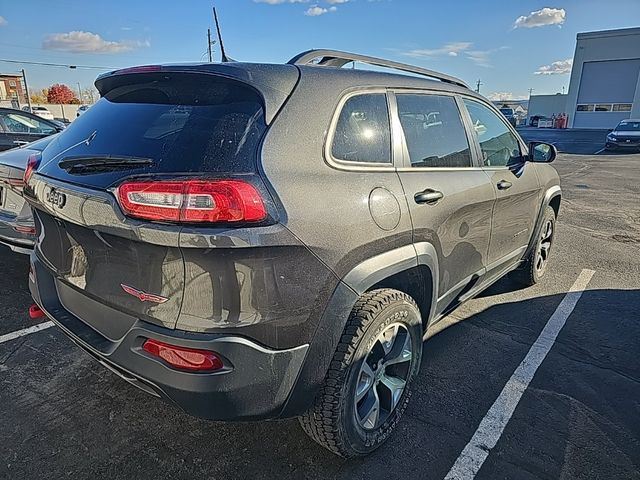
x=184, y=123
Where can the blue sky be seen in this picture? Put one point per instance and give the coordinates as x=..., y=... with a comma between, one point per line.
x=501, y=43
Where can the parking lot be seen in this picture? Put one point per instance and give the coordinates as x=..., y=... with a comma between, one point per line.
x=63, y=415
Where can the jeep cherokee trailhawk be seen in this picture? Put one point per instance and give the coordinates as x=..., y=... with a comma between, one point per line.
x=252, y=241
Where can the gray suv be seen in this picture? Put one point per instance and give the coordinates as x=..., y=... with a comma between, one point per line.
x=252, y=241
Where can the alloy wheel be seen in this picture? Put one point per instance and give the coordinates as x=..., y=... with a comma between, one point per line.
x=544, y=246
x=383, y=376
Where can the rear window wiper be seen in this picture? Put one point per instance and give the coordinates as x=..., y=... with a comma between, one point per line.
x=100, y=164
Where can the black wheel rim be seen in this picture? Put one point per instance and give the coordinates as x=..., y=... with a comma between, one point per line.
x=383, y=376
x=544, y=245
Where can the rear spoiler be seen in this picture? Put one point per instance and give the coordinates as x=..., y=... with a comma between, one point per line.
x=274, y=83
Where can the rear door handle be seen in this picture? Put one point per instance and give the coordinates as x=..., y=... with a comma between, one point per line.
x=503, y=185
x=19, y=142
x=428, y=196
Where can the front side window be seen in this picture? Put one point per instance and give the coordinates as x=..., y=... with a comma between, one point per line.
x=500, y=146
x=362, y=133
x=433, y=131
x=18, y=123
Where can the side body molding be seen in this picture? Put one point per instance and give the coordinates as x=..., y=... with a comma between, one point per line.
x=376, y=269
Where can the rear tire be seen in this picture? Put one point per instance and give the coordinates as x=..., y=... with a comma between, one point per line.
x=535, y=265
x=367, y=386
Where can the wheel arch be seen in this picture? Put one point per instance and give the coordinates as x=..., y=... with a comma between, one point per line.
x=552, y=198
x=409, y=269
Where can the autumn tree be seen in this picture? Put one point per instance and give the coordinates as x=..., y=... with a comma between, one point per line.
x=60, y=94
x=40, y=96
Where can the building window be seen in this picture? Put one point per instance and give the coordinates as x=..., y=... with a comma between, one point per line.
x=603, y=107
x=621, y=107
x=585, y=108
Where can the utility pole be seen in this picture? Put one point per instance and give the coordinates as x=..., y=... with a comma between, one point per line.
x=530, y=92
x=26, y=89
x=478, y=86
x=209, y=44
x=79, y=93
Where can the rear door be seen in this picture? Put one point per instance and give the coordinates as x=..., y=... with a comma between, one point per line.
x=515, y=183
x=19, y=128
x=450, y=198
x=149, y=126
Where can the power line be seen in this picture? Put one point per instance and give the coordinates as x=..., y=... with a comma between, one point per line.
x=73, y=67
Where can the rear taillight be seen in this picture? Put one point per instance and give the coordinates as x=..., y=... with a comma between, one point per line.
x=32, y=165
x=192, y=201
x=183, y=358
x=25, y=229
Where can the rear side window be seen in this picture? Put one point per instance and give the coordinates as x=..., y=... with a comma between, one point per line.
x=183, y=122
x=433, y=131
x=362, y=133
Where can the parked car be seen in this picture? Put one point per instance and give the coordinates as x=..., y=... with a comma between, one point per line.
x=270, y=241
x=42, y=112
x=17, y=230
x=20, y=128
x=82, y=109
x=509, y=115
x=626, y=136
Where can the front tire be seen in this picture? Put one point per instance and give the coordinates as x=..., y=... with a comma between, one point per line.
x=535, y=265
x=367, y=387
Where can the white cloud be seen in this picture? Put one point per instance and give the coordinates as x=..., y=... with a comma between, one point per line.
x=541, y=18
x=316, y=11
x=87, y=42
x=279, y=2
x=332, y=2
x=451, y=49
x=560, y=67
x=3, y=21
x=457, y=49
x=505, y=96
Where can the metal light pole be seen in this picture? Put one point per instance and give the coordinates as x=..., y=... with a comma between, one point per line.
x=79, y=93
x=26, y=89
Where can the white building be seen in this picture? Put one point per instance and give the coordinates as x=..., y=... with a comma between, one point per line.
x=605, y=79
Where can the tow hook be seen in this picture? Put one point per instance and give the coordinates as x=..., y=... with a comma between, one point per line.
x=36, y=312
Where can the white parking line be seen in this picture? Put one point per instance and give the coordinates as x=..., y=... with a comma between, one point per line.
x=492, y=425
x=25, y=331
x=600, y=151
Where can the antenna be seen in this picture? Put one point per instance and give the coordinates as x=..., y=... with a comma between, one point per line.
x=222, y=52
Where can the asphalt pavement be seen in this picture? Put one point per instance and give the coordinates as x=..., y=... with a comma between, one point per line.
x=63, y=415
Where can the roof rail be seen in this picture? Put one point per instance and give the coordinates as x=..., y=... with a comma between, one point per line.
x=335, y=58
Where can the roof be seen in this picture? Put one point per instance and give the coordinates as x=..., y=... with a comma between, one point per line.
x=621, y=32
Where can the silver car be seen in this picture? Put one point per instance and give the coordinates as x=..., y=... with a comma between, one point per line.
x=17, y=230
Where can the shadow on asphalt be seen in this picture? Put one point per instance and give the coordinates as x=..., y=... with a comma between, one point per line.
x=63, y=414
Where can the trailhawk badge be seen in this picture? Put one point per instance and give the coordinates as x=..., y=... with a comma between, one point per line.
x=142, y=296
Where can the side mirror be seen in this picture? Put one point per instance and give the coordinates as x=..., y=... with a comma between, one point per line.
x=542, y=152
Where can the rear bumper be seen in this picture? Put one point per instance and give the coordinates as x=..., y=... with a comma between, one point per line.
x=255, y=384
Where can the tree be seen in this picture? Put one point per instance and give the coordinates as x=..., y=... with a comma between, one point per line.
x=40, y=96
x=60, y=94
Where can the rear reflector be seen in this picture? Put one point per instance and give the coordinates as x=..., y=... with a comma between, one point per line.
x=192, y=201
x=25, y=229
x=183, y=358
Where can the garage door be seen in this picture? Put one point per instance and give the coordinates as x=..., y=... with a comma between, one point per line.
x=606, y=84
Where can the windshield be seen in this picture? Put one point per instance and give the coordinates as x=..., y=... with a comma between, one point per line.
x=629, y=127
x=507, y=111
